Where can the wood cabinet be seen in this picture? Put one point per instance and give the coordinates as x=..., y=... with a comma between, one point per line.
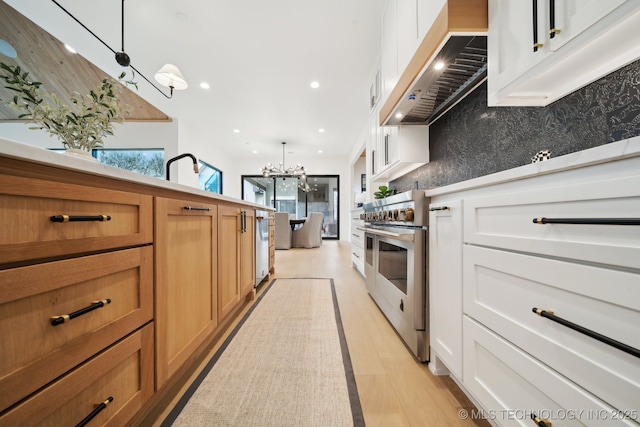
x=121, y=377
x=27, y=231
x=562, y=59
x=236, y=273
x=186, y=255
x=76, y=268
x=117, y=285
x=445, y=284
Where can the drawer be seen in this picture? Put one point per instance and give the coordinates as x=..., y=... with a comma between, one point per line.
x=511, y=385
x=27, y=231
x=502, y=288
x=357, y=236
x=123, y=372
x=30, y=296
x=506, y=221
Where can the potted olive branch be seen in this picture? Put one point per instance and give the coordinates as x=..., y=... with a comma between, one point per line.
x=81, y=126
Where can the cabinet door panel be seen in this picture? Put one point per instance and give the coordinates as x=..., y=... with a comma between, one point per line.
x=445, y=283
x=30, y=296
x=123, y=372
x=186, y=291
x=501, y=289
x=511, y=385
x=574, y=16
x=228, y=260
x=27, y=232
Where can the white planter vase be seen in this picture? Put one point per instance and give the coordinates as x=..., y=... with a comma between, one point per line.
x=81, y=154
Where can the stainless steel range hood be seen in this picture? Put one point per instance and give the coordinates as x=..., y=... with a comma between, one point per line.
x=458, y=41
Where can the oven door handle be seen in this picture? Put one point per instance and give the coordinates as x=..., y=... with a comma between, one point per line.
x=404, y=237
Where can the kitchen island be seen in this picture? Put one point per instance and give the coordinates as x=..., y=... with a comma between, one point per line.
x=124, y=281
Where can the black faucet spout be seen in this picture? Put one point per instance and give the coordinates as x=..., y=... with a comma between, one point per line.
x=181, y=156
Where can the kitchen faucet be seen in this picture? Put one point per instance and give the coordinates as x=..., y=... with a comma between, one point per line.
x=195, y=163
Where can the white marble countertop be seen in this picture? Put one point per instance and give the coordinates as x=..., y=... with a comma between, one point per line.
x=602, y=154
x=29, y=153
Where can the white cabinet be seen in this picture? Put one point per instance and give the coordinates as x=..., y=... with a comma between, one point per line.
x=401, y=149
x=389, y=52
x=513, y=386
x=540, y=252
x=445, y=284
x=572, y=17
x=522, y=72
x=357, y=240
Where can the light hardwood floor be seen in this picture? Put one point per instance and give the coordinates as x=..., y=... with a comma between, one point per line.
x=394, y=389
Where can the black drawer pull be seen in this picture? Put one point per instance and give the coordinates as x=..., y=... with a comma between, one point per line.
x=78, y=218
x=552, y=19
x=439, y=208
x=95, y=412
x=602, y=338
x=536, y=45
x=59, y=320
x=540, y=422
x=588, y=221
x=196, y=208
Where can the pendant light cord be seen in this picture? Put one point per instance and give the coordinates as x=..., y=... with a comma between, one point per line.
x=109, y=47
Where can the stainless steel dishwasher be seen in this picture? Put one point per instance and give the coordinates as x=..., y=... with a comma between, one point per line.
x=262, y=246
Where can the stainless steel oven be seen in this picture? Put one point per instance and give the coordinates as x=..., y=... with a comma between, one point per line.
x=396, y=265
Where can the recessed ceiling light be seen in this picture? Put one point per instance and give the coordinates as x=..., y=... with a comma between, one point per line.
x=69, y=48
x=255, y=151
x=398, y=115
x=237, y=131
x=321, y=130
x=319, y=151
x=204, y=85
x=438, y=65
x=315, y=85
x=181, y=17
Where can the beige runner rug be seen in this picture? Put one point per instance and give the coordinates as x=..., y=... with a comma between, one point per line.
x=285, y=364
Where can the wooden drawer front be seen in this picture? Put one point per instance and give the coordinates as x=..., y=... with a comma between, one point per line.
x=511, y=385
x=30, y=296
x=123, y=372
x=27, y=232
x=506, y=221
x=502, y=288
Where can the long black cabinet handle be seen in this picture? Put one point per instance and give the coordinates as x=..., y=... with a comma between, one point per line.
x=540, y=422
x=439, y=208
x=588, y=221
x=536, y=45
x=196, y=208
x=552, y=19
x=95, y=412
x=79, y=218
x=602, y=338
x=59, y=320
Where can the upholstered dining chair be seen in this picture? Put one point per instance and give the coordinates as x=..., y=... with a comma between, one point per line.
x=283, y=230
x=310, y=234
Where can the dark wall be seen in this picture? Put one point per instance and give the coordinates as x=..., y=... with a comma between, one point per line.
x=473, y=140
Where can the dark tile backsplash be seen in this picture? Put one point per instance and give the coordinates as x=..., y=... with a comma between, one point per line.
x=473, y=140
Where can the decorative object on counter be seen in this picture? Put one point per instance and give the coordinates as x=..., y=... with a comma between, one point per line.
x=168, y=76
x=79, y=127
x=383, y=192
x=541, y=156
x=281, y=171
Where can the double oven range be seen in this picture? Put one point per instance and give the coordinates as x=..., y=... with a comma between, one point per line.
x=396, y=264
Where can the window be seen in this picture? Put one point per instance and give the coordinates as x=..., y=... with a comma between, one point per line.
x=284, y=195
x=148, y=162
x=209, y=177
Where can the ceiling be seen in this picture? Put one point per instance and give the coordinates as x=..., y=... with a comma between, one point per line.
x=258, y=57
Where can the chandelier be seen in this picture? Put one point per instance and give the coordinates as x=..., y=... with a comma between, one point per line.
x=281, y=171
